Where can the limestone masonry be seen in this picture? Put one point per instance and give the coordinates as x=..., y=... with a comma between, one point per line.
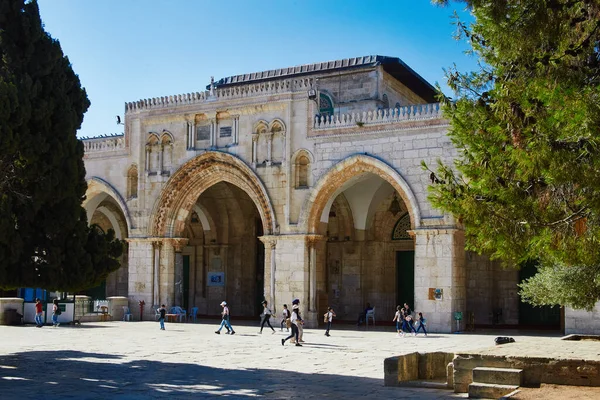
x=301, y=182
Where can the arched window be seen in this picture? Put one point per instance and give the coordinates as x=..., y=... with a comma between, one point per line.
x=385, y=101
x=303, y=171
x=325, y=104
x=401, y=228
x=132, y=182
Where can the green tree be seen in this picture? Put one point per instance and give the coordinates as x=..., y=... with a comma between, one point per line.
x=45, y=240
x=526, y=124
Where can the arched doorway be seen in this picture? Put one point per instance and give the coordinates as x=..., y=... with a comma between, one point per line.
x=365, y=211
x=107, y=209
x=221, y=207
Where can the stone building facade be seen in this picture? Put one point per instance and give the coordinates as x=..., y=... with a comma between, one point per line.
x=301, y=182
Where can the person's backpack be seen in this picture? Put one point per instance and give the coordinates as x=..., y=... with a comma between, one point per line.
x=504, y=340
x=58, y=312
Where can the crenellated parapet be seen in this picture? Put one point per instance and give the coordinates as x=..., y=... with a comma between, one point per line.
x=231, y=92
x=104, y=144
x=381, y=116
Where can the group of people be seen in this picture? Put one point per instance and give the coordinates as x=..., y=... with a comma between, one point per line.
x=39, y=313
x=406, y=323
x=293, y=320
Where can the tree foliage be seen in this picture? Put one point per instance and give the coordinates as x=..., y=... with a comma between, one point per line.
x=526, y=183
x=45, y=240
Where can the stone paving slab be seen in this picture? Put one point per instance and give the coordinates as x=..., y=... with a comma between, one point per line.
x=131, y=360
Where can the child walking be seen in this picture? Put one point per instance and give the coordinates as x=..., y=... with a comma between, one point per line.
x=422, y=322
x=266, y=317
x=398, y=318
x=225, y=320
x=285, y=314
x=161, y=319
x=406, y=324
x=39, y=313
x=329, y=318
x=55, y=313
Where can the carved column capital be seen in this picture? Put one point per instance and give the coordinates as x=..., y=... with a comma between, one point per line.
x=255, y=137
x=269, y=241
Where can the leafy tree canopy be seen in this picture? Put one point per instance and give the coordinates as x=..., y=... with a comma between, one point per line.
x=45, y=240
x=526, y=183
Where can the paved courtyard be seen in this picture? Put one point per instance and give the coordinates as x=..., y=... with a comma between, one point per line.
x=131, y=360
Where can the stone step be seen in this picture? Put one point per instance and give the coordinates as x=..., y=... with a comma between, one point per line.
x=489, y=391
x=499, y=376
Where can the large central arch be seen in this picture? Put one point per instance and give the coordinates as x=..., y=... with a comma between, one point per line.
x=344, y=172
x=193, y=178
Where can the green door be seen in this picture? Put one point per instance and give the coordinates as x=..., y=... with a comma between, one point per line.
x=186, y=282
x=543, y=317
x=405, y=278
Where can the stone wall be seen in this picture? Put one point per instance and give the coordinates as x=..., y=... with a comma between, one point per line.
x=582, y=322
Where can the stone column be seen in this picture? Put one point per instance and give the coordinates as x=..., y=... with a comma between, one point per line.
x=178, y=245
x=270, y=268
x=140, y=276
x=156, y=274
x=254, y=149
x=440, y=264
x=269, y=148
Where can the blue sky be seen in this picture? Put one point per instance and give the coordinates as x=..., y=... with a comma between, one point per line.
x=128, y=50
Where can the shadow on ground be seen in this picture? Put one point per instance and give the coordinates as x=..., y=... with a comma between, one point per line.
x=81, y=375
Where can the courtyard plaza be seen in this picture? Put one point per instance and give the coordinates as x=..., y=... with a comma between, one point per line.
x=131, y=360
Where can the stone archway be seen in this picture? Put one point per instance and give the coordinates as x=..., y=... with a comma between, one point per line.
x=193, y=178
x=343, y=172
x=97, y=191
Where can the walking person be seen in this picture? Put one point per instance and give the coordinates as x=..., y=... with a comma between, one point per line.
x=398, y=317
x=296, y=302
x=55, y=313
x=266, y=317
x=285, y=314
x=161, y=318
x=329, y=319
x=39, y=313
x=407, y=324
x=225, y=320
x=296, y=323
x=422, y=322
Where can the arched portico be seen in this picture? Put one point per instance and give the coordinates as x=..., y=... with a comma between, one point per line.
x=106, y=208
x=205, y=226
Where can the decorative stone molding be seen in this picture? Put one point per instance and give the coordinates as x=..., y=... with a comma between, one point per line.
x=375, y=117
x=103, y=146
x=242, y=91
x=183, y=189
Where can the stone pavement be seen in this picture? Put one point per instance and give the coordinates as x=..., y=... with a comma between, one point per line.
x=135, y=360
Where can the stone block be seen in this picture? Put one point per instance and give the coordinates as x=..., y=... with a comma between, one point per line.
x=489, y=391
x=401, y=368
x=498, y=376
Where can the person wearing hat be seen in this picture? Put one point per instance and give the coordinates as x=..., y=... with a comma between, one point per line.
x=225, y=320
x=296, y=302
x=296, y=322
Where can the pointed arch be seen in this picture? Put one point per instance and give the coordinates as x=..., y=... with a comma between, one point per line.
x=97, y=191
x=345, y=172
x=181, y=192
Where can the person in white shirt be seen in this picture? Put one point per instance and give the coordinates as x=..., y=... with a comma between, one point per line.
x=296, y=322
x=225, y=320
x=300, y=327
x=285, y=314
x=398, y=318
x=329, y=319
x=266, y=317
